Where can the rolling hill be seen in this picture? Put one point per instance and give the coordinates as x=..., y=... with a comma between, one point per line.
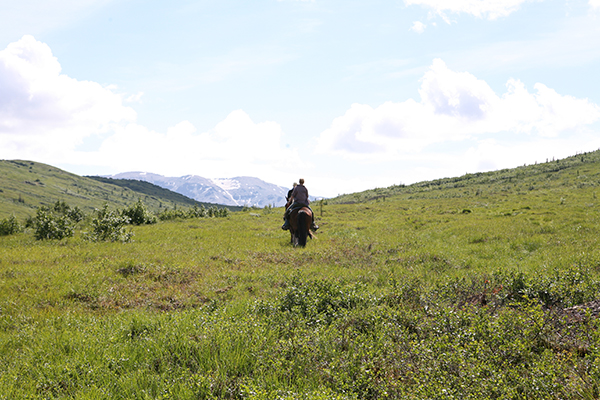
x=27, y=185
x=578, y=171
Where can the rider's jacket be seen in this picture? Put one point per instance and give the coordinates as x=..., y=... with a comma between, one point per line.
x=300, y=195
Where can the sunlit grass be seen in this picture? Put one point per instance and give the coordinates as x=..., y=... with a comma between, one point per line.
x=418, y=295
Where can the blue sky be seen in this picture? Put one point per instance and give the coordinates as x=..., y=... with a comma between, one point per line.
x=349, y=95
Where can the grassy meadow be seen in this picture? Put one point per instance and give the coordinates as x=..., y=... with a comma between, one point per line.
x=486, y=289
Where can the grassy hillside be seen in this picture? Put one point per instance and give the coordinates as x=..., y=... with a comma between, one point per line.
x=27, y=185
x=576, y=171
x=489, y=290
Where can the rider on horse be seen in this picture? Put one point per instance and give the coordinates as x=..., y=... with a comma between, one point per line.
x=297, y=199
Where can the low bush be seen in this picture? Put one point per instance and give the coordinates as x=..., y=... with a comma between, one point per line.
x=55, y=222
x=170, y=215
x=9, y=226
x=48, y=225
x=109, y=225
x=197, y=212
x=138, y=214
x=194, y=212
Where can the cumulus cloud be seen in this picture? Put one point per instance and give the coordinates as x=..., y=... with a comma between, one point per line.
x=418, y=27
x=46, y=116
x=43, y=111
x=595, y=4
x=454, y=106
x=237, y=145
x=478, y=8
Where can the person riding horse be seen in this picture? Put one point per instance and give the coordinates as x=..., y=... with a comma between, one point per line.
x=297, y=199
x=288, y=198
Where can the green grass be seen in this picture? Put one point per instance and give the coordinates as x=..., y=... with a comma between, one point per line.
x=445, y=293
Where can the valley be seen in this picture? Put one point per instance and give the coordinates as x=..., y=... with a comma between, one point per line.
x=480, y=286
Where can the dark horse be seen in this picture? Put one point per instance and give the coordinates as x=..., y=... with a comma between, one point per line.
x=300, y=221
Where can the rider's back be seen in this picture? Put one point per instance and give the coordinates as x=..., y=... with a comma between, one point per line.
x=300, y=195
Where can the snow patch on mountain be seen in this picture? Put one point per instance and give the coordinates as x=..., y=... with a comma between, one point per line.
x=227, y=184
x=238, y=191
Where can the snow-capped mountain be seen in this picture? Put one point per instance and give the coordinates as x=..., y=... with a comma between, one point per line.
x=239, y=191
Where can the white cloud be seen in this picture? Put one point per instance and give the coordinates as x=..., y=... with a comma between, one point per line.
x=45, y=116
x=44, y=112
x=482, y=155
x=135, y=98
x=595, y=4
x=478, y=8
x=454, y=106
x=237, y=145
x=418, y=27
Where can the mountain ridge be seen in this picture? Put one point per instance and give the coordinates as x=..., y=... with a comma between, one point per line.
x=236, y=191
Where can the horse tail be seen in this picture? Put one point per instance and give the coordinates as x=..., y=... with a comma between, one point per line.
x=303, y=226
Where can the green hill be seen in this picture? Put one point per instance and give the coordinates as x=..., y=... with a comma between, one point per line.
x=575, y=171
x=27, y=185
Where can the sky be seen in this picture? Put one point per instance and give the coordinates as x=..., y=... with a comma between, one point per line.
x=348, y=94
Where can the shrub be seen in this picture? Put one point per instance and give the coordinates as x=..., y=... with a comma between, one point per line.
x=75, y=214
x=197, y=212
x=218, y=212
x=47, y=225
x=194, y=212
x=55, y=222
x=322, y=300
x=138, y=214
x=9, y=226
x=109, y=225
x=169, y=215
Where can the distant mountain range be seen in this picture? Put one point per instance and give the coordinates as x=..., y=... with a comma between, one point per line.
x=239, y=191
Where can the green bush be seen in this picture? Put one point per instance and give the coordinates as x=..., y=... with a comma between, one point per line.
x=55, y=222
x=138, y=214
x=194, y=212
x=47, y=225
x=9, y=226
x=222, y=212
x=73, y=213
x=109, y=225
x=197, y=212
x=170, y=215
